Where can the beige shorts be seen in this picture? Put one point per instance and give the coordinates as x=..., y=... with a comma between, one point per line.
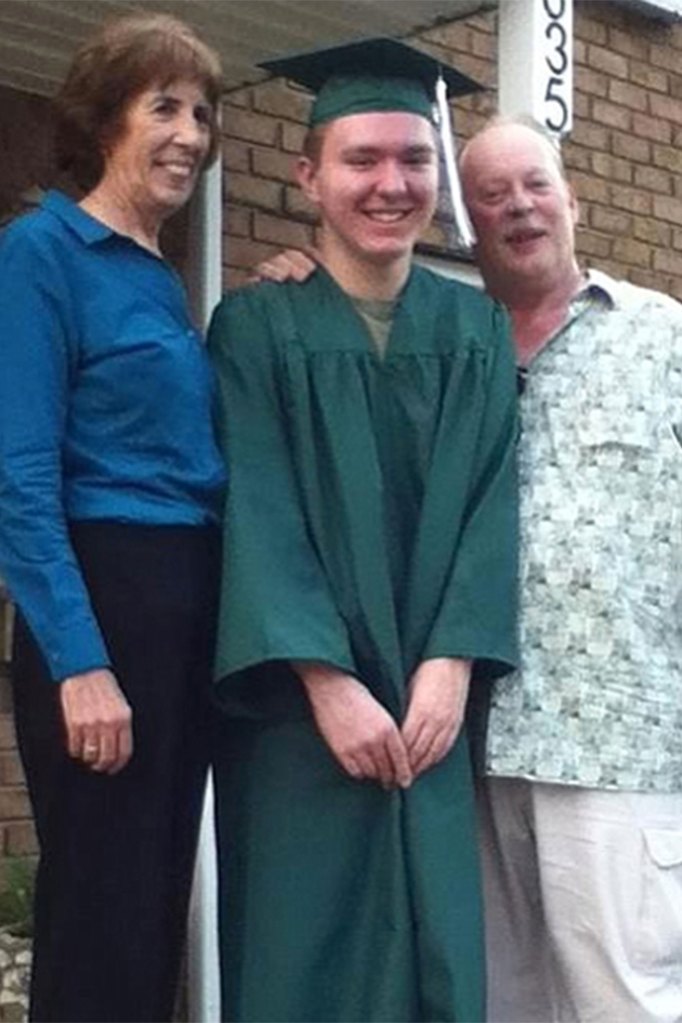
x=583, y=892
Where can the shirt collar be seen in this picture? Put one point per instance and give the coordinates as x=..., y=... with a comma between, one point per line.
x=89, y=230
x=599, y=285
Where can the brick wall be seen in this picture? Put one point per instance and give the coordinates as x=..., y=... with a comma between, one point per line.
x=624, y=155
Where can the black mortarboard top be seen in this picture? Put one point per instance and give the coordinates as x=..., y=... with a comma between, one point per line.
x=370, y=75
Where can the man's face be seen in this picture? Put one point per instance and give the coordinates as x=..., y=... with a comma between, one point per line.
x=523, y=210
x=375, y=183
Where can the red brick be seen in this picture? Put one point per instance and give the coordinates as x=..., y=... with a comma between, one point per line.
x=646, y=279
x=7, y=734
x=633, y=96
x=611, y=167
x=14, y=803
x=669, y=157
x=481, y=102
x=457, y=35
x=245, y=124
x=668, y=262
x=589, y=188
x=648, y=76
x=653, y=179
x=636, y=253
x=589, y=243
x=236, y=155
x=666, y=107
x=281, y=232
x=628, y=43
x=468, y=122
x=589, y=29
x=238, y=222
x=611, y=221
x=484, y=45
x=277, y=99
x=482, y=71
x=293, y=136
x=631, y=199
x=594, y=83
x=272, y=163
x=246, y=253
x=612, y=115
x=240, y=97
x=612, y=64
x=576, y=157
x=653, y=231
x=11, y=771
x=483, y=22
x=591, y=135
x=609, y=266
x=666, y=57
x=20, y=839
x=629, y=147
x=582, y=105
x=243, y=188
x=668, y=209
x=652, y=128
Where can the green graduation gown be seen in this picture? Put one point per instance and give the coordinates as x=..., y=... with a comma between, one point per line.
x=371, y=524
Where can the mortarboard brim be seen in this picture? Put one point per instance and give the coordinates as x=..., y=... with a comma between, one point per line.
x=379, y=74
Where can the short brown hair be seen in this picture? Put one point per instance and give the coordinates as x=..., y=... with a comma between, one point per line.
x=112, y=67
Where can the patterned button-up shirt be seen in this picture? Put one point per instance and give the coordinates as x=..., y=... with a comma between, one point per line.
x=598, y=701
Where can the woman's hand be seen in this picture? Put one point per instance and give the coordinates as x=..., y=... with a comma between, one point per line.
x=98, y=720
x=438, y=694
x=361, y=734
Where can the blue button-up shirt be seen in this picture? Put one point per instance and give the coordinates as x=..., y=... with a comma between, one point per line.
x=105, y=412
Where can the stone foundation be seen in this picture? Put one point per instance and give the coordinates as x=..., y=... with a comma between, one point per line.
x=15, y=969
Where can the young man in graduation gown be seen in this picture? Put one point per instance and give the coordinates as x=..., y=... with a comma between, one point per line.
x=368, y=421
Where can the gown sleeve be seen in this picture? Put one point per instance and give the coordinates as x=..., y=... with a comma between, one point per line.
x=276, y=604
x=477, y=617
x=36, y=557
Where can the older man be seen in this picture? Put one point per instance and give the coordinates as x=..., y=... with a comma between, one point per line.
x=583, y=804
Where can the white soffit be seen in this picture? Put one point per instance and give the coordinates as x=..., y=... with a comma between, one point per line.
x=665, y=10
x=38, y=37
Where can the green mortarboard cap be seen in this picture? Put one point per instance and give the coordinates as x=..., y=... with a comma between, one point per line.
x=370, y=75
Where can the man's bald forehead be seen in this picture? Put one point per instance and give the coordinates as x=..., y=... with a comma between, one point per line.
x=526, y=124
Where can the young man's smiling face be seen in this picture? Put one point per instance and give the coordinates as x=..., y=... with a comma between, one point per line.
x=375, y=183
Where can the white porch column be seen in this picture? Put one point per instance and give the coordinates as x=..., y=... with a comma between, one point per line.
x=205, y=286
x=536, y=61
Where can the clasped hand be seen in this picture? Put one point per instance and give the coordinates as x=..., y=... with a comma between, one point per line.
x=363, y=736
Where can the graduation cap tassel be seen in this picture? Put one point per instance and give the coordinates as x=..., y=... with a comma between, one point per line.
x=463, y=228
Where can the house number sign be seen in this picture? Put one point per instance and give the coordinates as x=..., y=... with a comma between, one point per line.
x=554, y=65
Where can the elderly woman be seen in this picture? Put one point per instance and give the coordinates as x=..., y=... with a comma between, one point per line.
x=110, y=486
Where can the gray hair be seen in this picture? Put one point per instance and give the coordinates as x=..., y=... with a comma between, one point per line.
x=522, y=121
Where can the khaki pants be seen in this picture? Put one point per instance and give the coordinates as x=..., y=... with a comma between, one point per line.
x=583, y=893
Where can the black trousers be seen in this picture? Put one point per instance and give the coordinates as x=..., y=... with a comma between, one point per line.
x=117, y=853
